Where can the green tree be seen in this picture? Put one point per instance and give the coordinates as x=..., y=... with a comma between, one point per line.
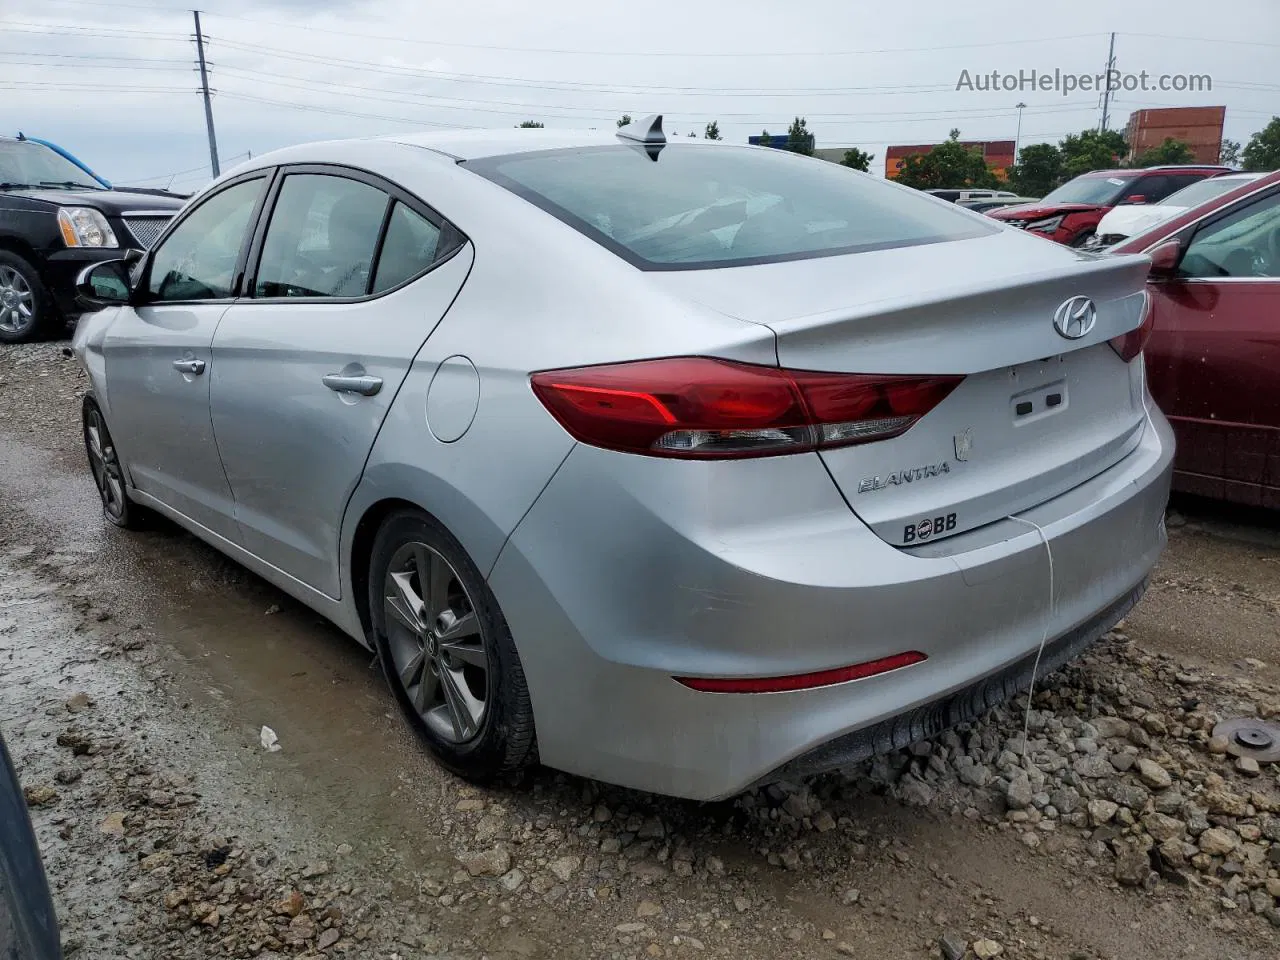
x=949, y=164
x=764, y=138
x=692, y=134
x=1263, y=150
x=1170, y=151
x=1039, y=170
x=624, y=120
x=799, y=139
x=857, y=159
x=1091, y=150
x=1229, y=153
x=713, y=131
x=530, y=125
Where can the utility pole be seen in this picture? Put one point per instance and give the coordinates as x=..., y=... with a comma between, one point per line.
x=1017, y=137
x=1106, y=92
x=208, y=107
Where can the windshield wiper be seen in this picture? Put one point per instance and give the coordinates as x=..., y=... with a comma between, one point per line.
x=71, y=184
x=7, y=185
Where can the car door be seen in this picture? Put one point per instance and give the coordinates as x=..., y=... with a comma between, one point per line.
x=159, y=358
x=1213, y=356
x=352, y=274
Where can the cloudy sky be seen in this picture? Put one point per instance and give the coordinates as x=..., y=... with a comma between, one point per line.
x=115, y=82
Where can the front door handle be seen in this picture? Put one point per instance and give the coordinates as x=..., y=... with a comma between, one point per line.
x=366, y=385
x=194, y=367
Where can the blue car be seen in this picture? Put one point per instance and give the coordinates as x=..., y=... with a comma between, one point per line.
x=28, y=927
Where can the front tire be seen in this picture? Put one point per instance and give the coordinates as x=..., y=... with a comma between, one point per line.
x=446, y=650
x=108, y=475
x=26, y=309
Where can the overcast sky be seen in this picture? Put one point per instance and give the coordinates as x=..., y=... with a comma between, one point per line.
x=115, y=82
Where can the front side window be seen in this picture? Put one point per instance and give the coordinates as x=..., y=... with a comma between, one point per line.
x=691, y=207
x=321, y=239
x=197, y=261
x=1245, y=243
x=411, y=245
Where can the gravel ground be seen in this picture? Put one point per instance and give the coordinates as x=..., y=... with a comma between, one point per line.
x=136, y=673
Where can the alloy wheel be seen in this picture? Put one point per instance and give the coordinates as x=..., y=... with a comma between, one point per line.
x=437, y=644
x=104, y=464
x=17, y=303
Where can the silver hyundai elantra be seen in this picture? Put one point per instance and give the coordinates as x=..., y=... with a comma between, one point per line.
x=680, y=465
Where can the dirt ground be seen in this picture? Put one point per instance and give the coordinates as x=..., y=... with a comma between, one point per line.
x=137, y=672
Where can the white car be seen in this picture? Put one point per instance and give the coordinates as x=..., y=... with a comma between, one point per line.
x=1127, y=221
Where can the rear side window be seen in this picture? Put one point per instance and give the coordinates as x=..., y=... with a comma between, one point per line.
x=411, y=245
x=693, y=207
x=321, y=239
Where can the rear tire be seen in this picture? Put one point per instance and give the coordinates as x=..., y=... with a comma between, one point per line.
x=27, y=312
x=447, y=652
x=108, y=475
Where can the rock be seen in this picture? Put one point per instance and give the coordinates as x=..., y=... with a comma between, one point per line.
x=311, y=871
x=987, y=949
x=176, y=898
x=1271, y=828
x=328, y=938
x=302, y=930
x=1101, y=811
x=1223, y=801
x=1133, y=866
x=1218, y=842
x=290, y=906
x=652, y=829
x=601, y=814
x=973, y=774
x=344, y=849
x=847, y=949
x=42, y=796
x=914, y=791
x=715, y=866
x=1248, y=766
x=1066, y=800
x=1162, y=827
x=68, y=775
x=1218, y=745
x=1019, y=795
x=647, y=908
x=799, y=804
x=953, y=946
x=78, y=703
x=1109, y=727
x=741, y=904
x=1169, y=802
x=1173, y=852
x=610, y=845
x=489, y=863
x=563, y=868
x=1154, y=775
x=513, y=879
x=1273, y=887
x=1122, y=762
x=211, y=918
x=630, y=929
x=850, y=896
x=1131, y=795
x=823, y=822
x=113, y=825
x=470, y=805
x=1095, y=766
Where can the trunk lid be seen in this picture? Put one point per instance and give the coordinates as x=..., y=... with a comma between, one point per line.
x=1036, y=413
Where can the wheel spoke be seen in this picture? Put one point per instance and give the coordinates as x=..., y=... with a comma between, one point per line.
x=464, y=709
x=403, y=603
x=465, y=626
x=411, y=672
x=436, y=575
x=472, y=653
x=428, y=688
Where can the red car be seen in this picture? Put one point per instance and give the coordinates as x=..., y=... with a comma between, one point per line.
x=1071, y=213
x=1213, y=358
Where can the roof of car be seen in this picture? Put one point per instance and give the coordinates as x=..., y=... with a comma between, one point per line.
x=474, y=144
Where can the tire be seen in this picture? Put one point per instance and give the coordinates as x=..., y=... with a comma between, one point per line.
x=108, y=475
x=446, y=649
x=27, y=312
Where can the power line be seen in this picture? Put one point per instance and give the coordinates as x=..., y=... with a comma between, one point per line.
x=102, y=33
x=1165, y=36
x=343, y=113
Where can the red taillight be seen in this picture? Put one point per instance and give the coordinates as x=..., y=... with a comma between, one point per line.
x=704, y=408
x=1130, y=344
x=803, y=681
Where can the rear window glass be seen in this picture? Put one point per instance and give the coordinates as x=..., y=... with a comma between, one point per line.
x=692, y=207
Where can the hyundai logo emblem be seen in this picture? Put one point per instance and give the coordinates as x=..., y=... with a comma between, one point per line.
x=1075, y=318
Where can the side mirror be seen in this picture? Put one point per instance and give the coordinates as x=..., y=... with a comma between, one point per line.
x=105, y=284
x=1164, y=260
x=1135, y=198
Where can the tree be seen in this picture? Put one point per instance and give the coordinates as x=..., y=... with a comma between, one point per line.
x=857, y=159
x=1229, y=153
x=950, y=164
x=1039, y=170
x=799, y=139
x=1091, y=150
x=713, y=131
x=764, y=138
x=625, y=119
x=692, y=134
x=530, y=125
x=1170, y=151
x=1263, y=150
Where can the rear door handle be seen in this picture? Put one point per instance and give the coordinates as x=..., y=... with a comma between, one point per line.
x=365, y=385
x=195, y=367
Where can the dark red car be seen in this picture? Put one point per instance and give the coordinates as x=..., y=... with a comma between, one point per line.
x=1213, y=359
x=1071, y=213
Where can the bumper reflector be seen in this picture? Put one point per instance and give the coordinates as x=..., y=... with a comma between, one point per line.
x=802, y=681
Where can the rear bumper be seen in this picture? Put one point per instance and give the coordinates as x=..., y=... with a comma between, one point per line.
x=629, y=571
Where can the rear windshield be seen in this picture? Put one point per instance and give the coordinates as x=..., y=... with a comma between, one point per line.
x=691, y=207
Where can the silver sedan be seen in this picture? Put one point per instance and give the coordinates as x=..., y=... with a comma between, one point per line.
x=678, y=465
